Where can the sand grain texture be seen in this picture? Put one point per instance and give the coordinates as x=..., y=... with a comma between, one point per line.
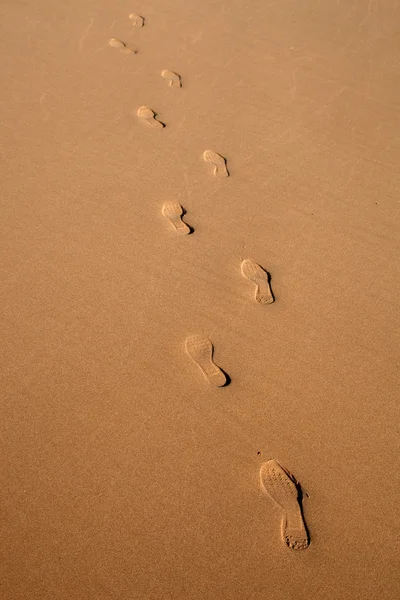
x=124, y=474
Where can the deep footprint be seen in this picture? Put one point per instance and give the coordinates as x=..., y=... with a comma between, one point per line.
x=174, y=211
x=201, y=350
x=279, y=485
x=149, y=116
x=218, y=162
x=137, y=20
x=173, y=79
x=114, y=43
x=256, y=274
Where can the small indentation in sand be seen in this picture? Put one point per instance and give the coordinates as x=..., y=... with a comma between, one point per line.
x=201, y=350
x=283, y=489
x=174, y=80
x=149, y=116
x=136, y=20
x=114, y=43
x=256, y=274
x=173, y=211
x=218, y=161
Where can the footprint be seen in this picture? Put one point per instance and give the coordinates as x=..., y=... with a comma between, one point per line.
x=218, y=161
x=174, y=80
x=279, y=485
x=201, y=350
x=173, y=211
x=114, y=43
x=137, y=20
x=261, y=278
x=148, y=115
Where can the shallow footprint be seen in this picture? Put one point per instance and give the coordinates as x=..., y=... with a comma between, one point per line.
x=279, y=485
x=114, y=43
x=173, y=211
x=148, y=115
x=137, y=20
x=201, y=350
x=174, y=80
x=261, y=278
x=218, y=161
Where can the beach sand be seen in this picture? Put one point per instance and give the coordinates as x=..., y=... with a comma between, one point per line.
x=124, y=473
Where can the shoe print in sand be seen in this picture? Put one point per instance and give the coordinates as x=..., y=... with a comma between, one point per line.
x=256, y=274
x=173, y=79
x=149, y=116
x=279, y=485
x=218, y=162
x=121, y=46
x=173, y=211
x=136, y=20
x=200, y=350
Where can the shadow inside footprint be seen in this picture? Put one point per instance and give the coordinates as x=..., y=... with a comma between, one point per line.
x=301, y=496
x=228, y=378
x=269, y=277
x=191, y=229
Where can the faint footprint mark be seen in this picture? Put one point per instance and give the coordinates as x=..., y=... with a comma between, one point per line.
x=114, y=43
x=173, y=211
x=218, y=161
x=137, y=20
x=148, y=115
x=279, y=485
x=260, y=278
x=201, y=350
x=174, y=80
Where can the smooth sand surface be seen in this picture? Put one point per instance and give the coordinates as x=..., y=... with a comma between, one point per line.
x=124, y=474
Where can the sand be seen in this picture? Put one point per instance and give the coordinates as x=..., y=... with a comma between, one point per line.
x=125, y=474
